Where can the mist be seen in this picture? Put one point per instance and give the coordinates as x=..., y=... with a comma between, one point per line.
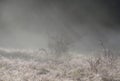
x=33, y=23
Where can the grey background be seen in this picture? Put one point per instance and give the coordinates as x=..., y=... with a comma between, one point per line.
x=32, y=23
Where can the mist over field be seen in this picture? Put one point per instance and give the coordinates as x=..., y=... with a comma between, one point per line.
x=59, y=40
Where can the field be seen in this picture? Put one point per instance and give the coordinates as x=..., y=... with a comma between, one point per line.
x=32, y=65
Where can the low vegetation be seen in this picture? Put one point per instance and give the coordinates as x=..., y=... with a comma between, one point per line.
x=72, y=68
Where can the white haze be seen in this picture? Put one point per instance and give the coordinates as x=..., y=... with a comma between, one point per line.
x=32, y=23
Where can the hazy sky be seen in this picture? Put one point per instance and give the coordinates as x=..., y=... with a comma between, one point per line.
x=32, y=23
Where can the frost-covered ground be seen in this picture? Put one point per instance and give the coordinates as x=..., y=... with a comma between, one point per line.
x=32, y=65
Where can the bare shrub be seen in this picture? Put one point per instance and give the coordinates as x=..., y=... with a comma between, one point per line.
x=59, y=45
x=94, y=64
x=108, y=56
